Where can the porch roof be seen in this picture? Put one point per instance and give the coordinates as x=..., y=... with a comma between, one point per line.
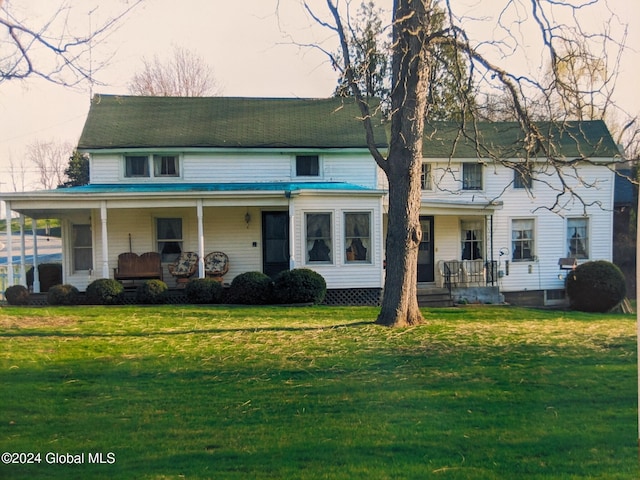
x=53, y=203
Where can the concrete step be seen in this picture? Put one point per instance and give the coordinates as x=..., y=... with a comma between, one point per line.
x=434, y=297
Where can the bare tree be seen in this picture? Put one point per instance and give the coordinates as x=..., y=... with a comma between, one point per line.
x=51, y=48
x=490, y=62
x=18, y=173
x=185, y=74
x=50, y=160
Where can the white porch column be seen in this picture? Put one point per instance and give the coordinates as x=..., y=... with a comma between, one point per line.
x=200, y=238
x=105, y=239
x=23, y=248
x=36, y=274
x=292, y=240
x=9, y=238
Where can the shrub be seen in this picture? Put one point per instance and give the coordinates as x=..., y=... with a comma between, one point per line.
x=250, y=288
x=204, y=290
x=63, y=295
x=596, y=286
x=105, y=291
x=17, y=295
x=300, y=285
x=152, y=292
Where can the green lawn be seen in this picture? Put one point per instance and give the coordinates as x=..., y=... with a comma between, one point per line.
x=317, y=393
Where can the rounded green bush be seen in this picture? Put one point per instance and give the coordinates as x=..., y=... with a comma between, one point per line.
x=250, y=288
x=17, y=295
x=204, y=290
x=596, y=286
x=105, y=291
x=63, y=295
x=300, y=285
x=152, y=292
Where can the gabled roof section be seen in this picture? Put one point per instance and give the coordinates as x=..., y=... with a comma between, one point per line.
x=503, y=140
x=223, y=122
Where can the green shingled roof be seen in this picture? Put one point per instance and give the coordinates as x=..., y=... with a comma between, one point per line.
x=587, y=139
x=130, y=122
x=163, y=122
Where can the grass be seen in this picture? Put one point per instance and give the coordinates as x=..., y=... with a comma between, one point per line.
x=319, y=393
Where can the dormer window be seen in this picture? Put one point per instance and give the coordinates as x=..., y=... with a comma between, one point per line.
x=307, y=166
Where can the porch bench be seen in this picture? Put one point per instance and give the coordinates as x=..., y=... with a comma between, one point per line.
x=132, y=266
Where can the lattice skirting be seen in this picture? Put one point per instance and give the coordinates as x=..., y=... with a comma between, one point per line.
x=354, y=296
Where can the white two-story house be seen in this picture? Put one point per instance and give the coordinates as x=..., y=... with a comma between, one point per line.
x=289, y=183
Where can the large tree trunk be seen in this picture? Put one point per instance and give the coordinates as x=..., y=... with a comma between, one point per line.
x=410, y=74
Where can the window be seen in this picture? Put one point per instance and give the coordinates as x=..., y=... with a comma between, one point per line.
x=136, y=166
x=165, y=166
x=307, y=166
x=169, y=238
x=472, y=238
x=82, y=247
x=472, y=176
x=319, y=244
x=578, y=237
x=522, y=178
x=522, y=236
x=425, y=177
x=357, y=236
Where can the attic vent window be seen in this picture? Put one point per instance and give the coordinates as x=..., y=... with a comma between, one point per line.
x=307, y=166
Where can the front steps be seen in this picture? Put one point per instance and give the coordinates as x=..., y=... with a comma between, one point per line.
x=430, y=296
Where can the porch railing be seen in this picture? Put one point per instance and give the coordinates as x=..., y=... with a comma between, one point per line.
x=466, y=273
x=4, y=278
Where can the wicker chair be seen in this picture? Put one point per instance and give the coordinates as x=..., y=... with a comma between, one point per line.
x=184, y=267
x=216, y=264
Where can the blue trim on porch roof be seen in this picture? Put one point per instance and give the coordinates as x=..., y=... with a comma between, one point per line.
x=212, y=187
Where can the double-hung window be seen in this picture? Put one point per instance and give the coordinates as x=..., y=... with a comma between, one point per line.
x=82, y=247
x=472, y=176
x=357, y=236
x=472, y=237
x=522, y=239
x=319, y=241
x=522, y=178
x=578, y=237
x=169, y=238
x=425, y=177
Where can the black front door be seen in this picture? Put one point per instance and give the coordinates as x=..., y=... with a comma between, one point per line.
x=275, y=242
x=425, y=251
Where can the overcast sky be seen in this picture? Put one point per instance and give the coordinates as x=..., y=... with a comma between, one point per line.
x=248, y=46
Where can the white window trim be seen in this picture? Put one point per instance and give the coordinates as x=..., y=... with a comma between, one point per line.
x=334, y=240
x=294, y=170
x=345, y=245
x=588, y=242
x=482, y=179
x=534, y=253
x=151, y=167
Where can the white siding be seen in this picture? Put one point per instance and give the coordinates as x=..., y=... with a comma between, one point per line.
x=229, y=167
x=593, y=183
